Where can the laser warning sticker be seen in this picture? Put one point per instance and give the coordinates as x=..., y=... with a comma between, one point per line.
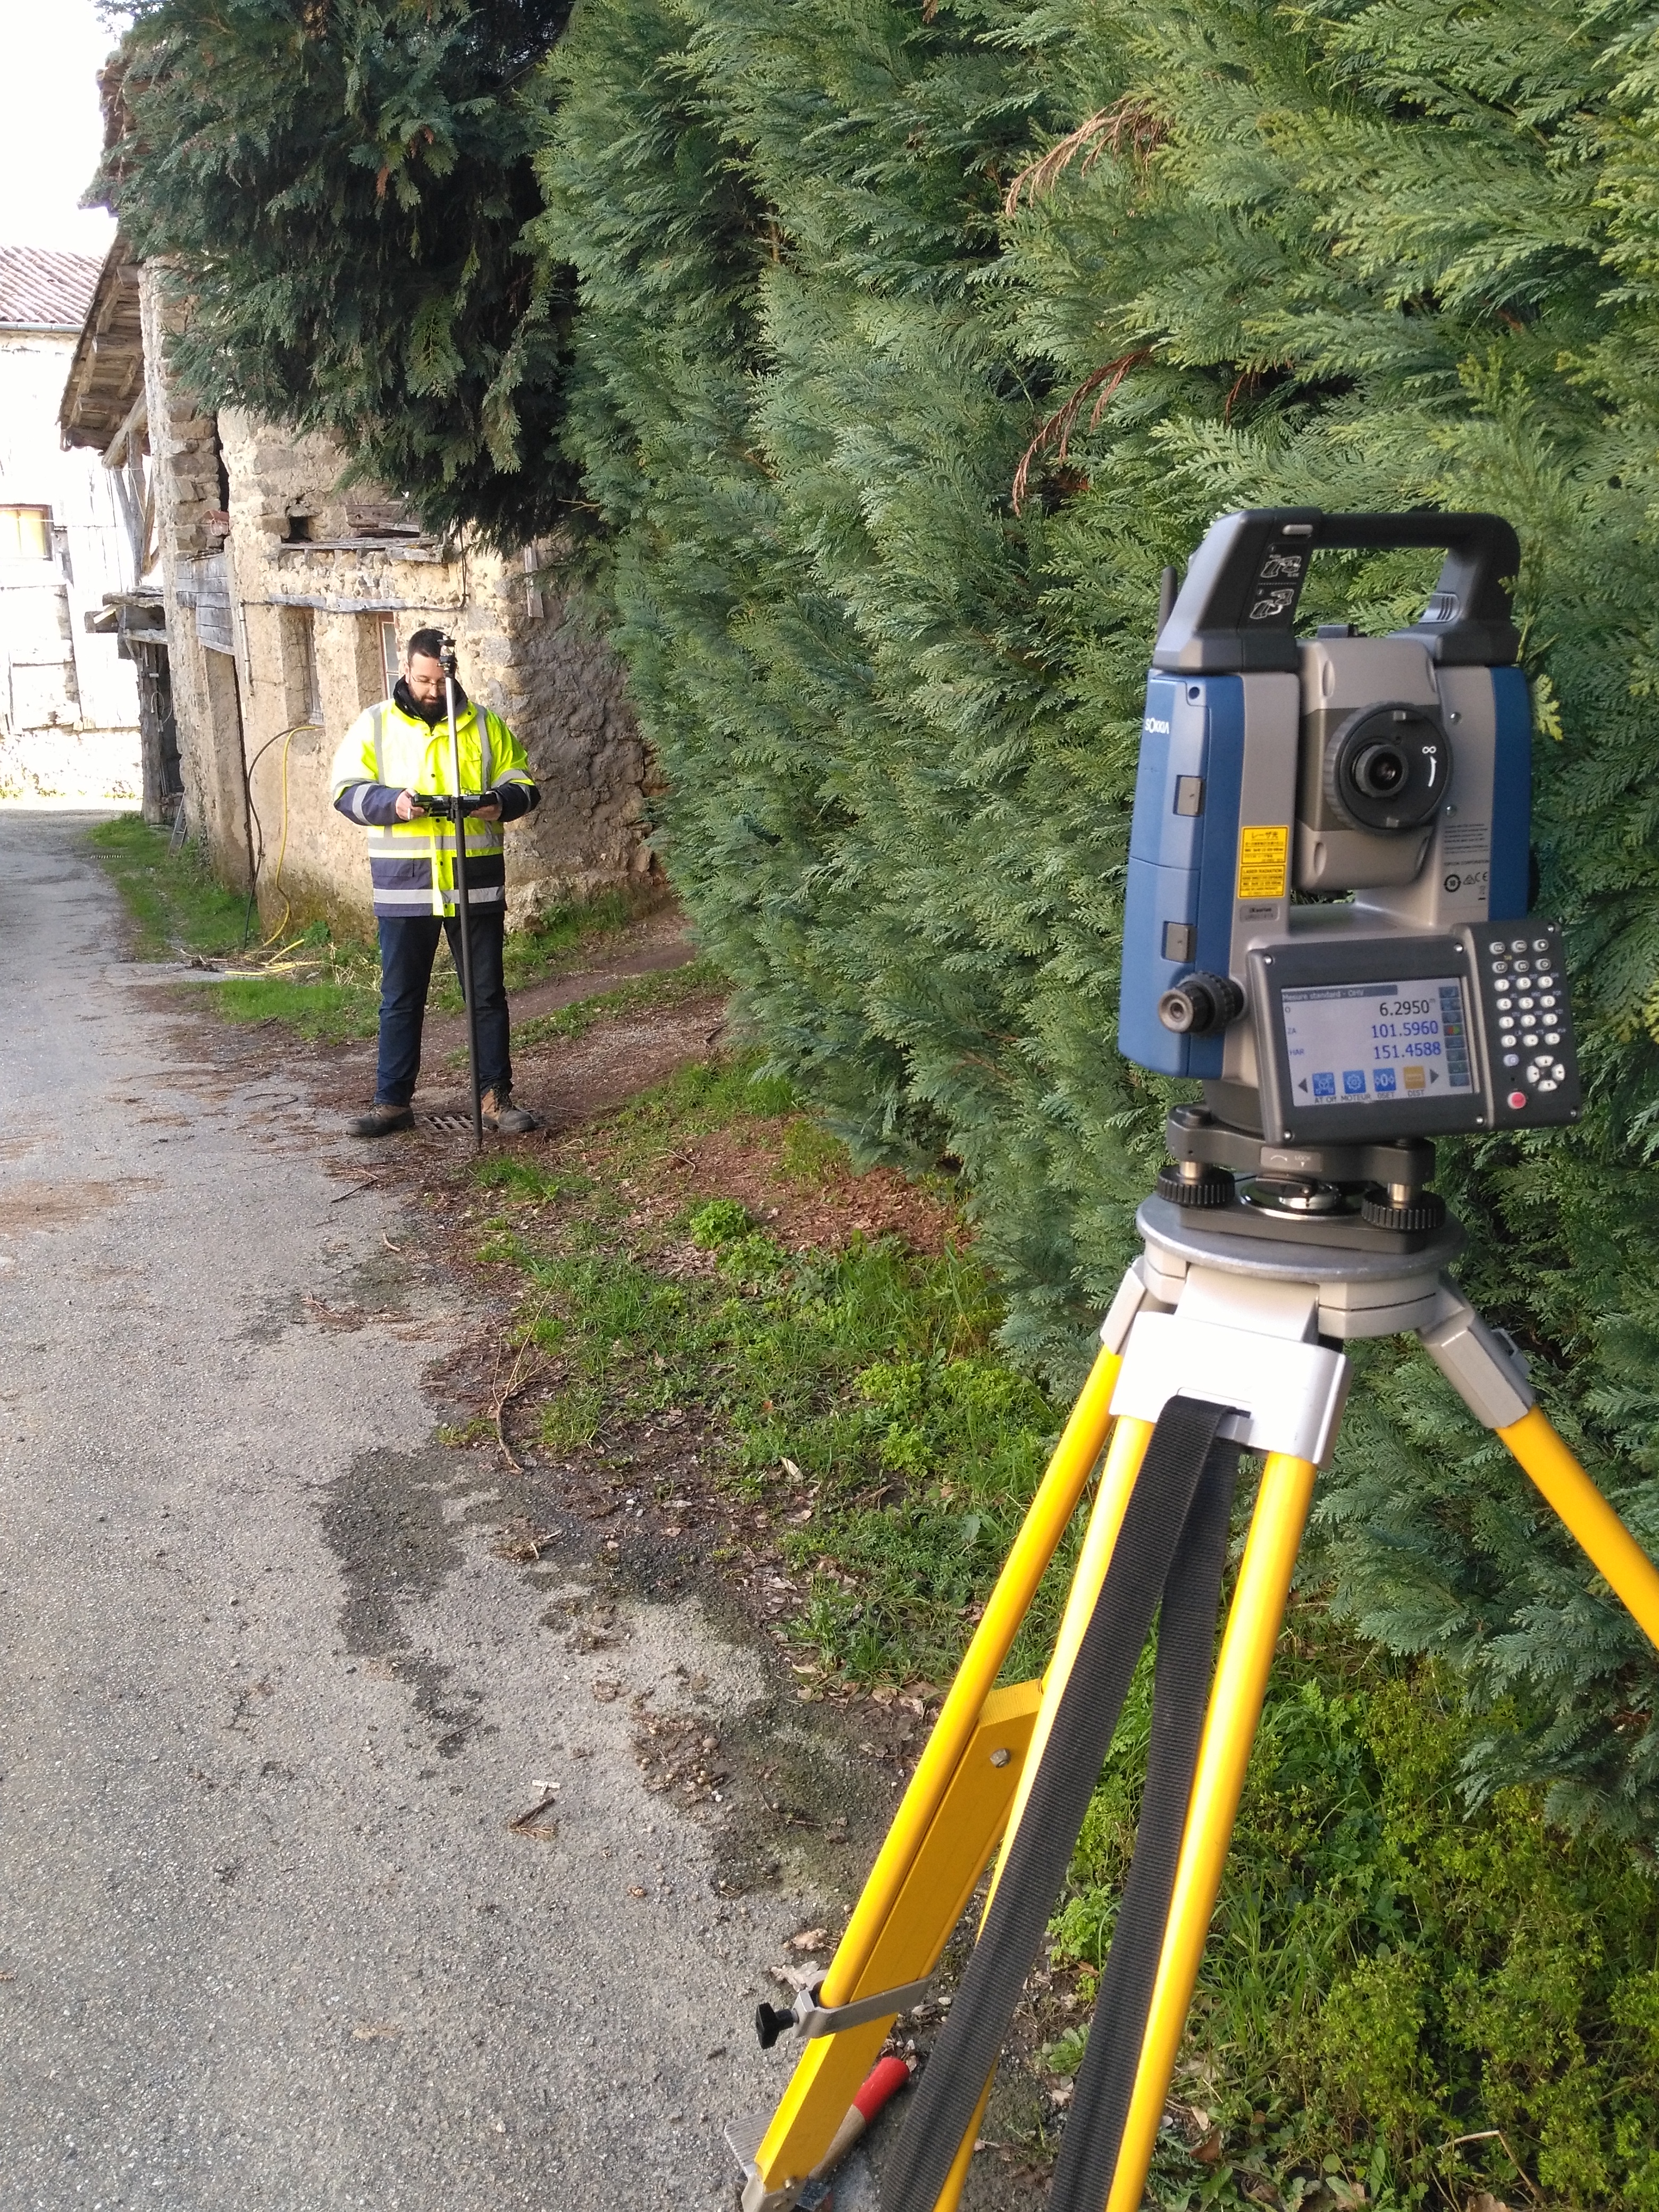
x=1262, y=853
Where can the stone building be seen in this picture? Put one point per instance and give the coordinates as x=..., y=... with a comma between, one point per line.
x=287, y=596
x=68, y=706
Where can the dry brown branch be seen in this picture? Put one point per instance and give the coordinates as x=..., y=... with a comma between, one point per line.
x=1496, y=2135
x=1103, y=382
x=1129, y=128
x=519, y=1380
x=531, y=1823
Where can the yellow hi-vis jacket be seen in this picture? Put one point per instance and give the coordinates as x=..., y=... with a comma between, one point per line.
x=412, y=863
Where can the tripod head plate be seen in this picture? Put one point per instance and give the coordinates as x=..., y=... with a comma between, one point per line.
x=1361, y=1293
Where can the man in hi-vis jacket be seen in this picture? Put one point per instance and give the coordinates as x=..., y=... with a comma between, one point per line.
x=391, y=752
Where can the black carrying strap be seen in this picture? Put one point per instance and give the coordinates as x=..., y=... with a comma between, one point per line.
x=1181, y=1693
x=1182, y=1451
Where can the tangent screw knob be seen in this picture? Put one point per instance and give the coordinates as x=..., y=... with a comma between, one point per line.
x=1199, y=1003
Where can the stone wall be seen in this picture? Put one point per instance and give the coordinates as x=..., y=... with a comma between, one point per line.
x=206, y=684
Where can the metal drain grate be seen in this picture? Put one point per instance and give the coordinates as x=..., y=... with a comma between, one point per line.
x=453, y=1125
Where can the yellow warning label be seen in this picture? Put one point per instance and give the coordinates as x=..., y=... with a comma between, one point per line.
x=1262, y=856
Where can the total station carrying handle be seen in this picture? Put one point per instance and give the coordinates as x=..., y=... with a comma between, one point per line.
x=1235, y=610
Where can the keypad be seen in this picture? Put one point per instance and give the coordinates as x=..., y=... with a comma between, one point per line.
x=1529, y=1032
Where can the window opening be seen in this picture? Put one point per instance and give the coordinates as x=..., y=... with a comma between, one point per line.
x=25, y=533
x=301, y=679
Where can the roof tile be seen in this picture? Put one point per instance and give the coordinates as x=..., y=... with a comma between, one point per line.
x=41, y=290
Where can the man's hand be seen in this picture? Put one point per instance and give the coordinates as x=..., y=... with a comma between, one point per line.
x=405, y=808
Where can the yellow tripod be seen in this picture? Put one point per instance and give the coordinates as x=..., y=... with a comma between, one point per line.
x=1234, y=1320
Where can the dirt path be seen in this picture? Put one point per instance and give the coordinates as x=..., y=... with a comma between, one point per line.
x=329, y=1871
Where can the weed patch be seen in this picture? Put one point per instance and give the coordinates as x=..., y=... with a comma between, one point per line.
x=1403, y=2002
x=175, y=904
x=326, y=1013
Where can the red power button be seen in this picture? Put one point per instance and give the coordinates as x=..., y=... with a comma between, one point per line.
x=1517, y=1099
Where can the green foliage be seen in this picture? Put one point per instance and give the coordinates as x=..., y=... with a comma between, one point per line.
x=338, y=187
x=1389, y=1974
x=1353, y=256
x=174, y=901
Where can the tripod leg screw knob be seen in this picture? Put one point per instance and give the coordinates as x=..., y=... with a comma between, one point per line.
x=771, y=2022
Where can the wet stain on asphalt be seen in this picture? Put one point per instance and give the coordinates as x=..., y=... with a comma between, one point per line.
x=386, y=1522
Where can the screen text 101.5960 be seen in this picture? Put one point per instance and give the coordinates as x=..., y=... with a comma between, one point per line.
x=1354, y=1043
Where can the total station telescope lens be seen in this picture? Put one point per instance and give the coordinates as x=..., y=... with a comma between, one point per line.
x=1386, y=768
x=1380, y=772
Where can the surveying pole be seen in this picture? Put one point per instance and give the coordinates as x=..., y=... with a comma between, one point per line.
x=462, y=904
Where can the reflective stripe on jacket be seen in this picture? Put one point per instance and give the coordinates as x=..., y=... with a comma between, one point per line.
x=412, y=863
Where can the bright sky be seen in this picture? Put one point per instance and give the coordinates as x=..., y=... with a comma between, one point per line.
x=52, y=132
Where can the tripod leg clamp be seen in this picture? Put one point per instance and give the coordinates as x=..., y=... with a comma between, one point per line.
x=1481, y=1363
x=812, y=2018
x=1244, y=1343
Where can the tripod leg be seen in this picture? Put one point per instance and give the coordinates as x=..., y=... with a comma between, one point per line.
x=905, y=1912
x=1230, y=1726
x=1491, y=1381
x=1565, y=1486
x=1123, y=1463
x=1129, y=1443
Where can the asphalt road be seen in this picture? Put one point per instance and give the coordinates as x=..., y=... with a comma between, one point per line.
x=268, y=1700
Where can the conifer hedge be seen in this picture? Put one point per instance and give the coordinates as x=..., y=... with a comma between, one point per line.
x=336, y=190
x=883, y=351
x=847, y=274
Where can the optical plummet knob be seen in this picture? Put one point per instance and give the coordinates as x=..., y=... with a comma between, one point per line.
x=771, y=2022
x=1199, y=1003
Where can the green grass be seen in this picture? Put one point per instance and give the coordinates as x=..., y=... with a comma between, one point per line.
x=1388, y=1972
x=325, y=1012
x=665, y=986
x=857, y=1392
x=176, y=904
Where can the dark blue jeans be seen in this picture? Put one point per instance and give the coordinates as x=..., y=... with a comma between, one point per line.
x=407, y=951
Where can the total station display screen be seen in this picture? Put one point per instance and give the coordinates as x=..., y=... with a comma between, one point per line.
x=1355, y=1043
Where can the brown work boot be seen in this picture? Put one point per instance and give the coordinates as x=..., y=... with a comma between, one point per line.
x=499, y=1112
x=380, y=1120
